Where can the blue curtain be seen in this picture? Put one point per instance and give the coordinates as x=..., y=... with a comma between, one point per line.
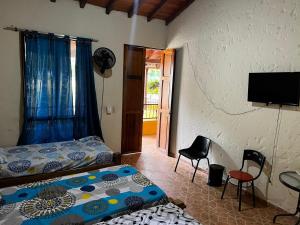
x=48, y=105
x=86, y=121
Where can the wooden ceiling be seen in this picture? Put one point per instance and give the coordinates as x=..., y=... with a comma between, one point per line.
x=153, y=56
x=166, y=10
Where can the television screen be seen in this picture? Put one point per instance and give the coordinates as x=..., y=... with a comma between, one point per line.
x=274, y=88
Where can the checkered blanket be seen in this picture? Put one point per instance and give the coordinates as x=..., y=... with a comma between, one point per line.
x=162, y=214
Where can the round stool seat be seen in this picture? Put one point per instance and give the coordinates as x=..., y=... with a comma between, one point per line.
x=240, y=175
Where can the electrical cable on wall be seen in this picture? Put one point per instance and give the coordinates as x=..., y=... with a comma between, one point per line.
x=275, y=143
x=209, y=99
x=102, y=98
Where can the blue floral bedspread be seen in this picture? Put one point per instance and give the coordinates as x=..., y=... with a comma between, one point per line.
x=84, y=198
x=45, y=158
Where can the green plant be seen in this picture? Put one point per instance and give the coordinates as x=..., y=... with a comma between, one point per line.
x=152, y=87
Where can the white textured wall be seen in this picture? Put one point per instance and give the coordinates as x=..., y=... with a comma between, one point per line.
x=66, y=17
x=219, y=42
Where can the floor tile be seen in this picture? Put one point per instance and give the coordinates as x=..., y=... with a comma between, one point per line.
x=203, y=202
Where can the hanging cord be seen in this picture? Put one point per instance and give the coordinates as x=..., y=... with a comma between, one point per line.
x=275, y=143
x=102, y=98
x=209, y=99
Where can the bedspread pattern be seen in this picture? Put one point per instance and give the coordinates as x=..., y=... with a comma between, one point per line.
x=81, y=198
x=50, y=157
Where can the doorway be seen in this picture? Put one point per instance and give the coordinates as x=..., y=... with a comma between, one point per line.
x=147, y=98
x=153, y=74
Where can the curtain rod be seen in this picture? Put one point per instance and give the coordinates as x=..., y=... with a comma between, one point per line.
x=16, y=29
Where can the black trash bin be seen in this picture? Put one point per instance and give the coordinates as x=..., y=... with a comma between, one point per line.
x=215, y=175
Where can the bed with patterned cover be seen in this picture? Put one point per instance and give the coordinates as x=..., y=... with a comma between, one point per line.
x=84, y=198
x=161, y=214
x=50, y=157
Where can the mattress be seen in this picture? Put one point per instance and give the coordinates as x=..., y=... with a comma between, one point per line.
x=84, y=198
x=162, y=214
x=50, y=157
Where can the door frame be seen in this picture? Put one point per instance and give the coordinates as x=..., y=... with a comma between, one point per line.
x=169, y=152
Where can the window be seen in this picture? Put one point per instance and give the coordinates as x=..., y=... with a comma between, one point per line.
x=73, y=70
x=53, y=110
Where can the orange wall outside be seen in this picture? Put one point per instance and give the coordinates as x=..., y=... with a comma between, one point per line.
x=149, y=127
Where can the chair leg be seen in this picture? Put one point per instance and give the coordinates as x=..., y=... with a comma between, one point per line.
x=225, y=187
x=195, y=171
x=253, y=193
x=208, y=162
x=177, y=162
x=192, y=163
x=240, y=191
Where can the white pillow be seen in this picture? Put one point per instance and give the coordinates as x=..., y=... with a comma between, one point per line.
x=90, y=138
x=3, y=158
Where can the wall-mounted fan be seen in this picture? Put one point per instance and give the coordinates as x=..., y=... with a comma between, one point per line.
x=104, y=58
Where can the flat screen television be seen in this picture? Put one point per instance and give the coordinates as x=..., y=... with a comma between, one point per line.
x=274, y=88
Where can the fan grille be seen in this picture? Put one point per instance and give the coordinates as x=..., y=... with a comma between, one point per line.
x=104, y=58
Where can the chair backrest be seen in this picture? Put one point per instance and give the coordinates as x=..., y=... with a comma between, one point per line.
x=201, y=145
x=254, y=156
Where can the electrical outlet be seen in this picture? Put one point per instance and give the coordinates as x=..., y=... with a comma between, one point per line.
x=109, y=110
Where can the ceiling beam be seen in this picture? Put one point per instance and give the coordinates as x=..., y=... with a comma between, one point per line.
x=82, y=3
x=134, y=9
x=109, y=6
x=155, y=10
x=179, y=11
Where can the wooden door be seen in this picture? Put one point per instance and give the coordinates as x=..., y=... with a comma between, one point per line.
x=165, y=105
x=133, y=99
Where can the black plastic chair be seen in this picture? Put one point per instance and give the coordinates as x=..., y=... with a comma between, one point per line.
x=198, y=150
x=244, y=177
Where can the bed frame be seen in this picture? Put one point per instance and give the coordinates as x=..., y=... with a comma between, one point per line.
x=177, y=202
x=12, y=181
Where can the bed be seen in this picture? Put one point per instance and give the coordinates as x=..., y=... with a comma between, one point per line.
x=39, y=161
x=84, y=198
x=161, y=214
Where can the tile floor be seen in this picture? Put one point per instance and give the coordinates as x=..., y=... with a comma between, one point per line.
x=203, y=202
